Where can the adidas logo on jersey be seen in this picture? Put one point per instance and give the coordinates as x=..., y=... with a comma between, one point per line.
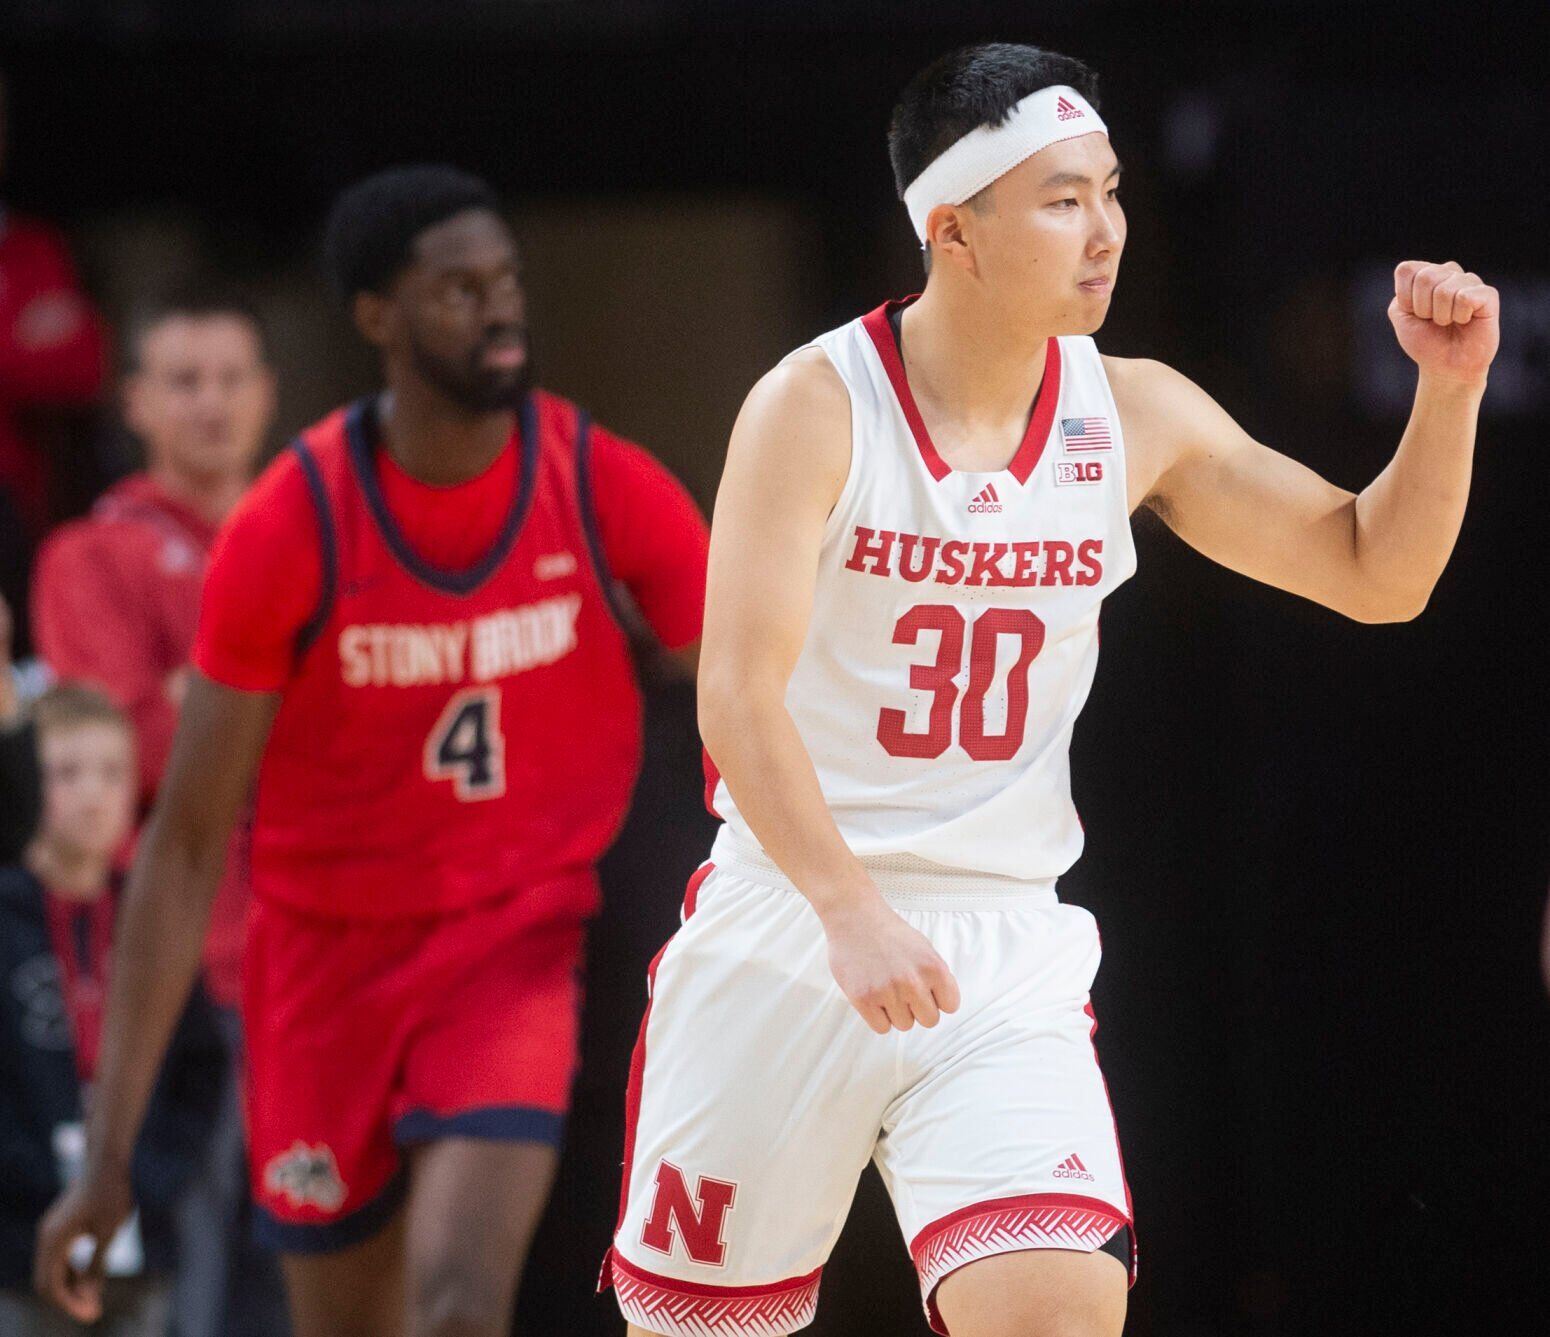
x=1072, y=1168
x=1066, y=110
x=985, y=501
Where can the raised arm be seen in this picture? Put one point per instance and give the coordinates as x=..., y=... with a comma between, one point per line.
x=786, y=465
x=1374, y=556
x=156, y=951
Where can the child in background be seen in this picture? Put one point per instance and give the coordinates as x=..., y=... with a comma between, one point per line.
x=56, y=923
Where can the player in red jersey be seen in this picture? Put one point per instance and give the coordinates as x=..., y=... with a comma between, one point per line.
x=409, y=630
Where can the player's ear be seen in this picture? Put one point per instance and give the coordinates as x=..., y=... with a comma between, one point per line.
x=947, y=229
x=373, y=316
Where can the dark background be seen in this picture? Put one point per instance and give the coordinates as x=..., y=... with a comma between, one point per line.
x=1318, y=850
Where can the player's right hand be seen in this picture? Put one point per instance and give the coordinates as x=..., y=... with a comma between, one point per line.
x=93, y=1207
x=891, y=973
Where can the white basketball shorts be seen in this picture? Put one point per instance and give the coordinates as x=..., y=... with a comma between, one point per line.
x=757, y=1094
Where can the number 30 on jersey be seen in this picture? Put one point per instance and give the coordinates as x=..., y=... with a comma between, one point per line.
x=466, y=746
x=1026, y=632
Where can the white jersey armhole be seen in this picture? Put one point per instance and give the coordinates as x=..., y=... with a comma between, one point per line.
x=842, y=503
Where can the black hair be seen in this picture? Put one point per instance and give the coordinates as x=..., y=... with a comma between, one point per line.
x=371, y=230
x=968, y=88
x=194, y=299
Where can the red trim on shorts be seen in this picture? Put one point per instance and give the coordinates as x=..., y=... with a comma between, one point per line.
x=632, y=1091
x=1119, y=1151
x=692, y=891
x=1010, y=1225
x=1040, y=420
x=712, y=779
x=667, y=1305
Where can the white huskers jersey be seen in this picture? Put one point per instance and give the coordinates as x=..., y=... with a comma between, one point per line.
x=954, y=631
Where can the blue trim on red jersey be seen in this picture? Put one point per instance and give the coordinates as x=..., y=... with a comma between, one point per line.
x=490, y=1123
x=310, y=1237
x=313, y=627
x=362, y=432
x=589, y=525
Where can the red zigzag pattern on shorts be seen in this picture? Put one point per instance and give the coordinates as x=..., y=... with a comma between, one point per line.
x=649, y=1305
x=1006, y=1229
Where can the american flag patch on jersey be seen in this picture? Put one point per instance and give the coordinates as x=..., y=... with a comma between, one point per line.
x=1078, y=434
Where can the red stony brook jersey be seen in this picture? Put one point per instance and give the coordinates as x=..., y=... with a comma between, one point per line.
x=448, y=736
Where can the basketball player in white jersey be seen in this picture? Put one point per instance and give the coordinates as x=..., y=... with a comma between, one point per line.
x=920, y=516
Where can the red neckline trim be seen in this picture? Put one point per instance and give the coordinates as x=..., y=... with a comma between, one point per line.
x=876, y=324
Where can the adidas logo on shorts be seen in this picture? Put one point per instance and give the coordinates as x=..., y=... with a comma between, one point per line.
x=1072, y=1168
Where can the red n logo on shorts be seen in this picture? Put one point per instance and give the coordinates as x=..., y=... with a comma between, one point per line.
x=700, y=1227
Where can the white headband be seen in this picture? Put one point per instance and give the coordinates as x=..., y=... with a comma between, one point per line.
x=966, y=167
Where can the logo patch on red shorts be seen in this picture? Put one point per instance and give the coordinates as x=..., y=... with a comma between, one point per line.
x=308, y=1176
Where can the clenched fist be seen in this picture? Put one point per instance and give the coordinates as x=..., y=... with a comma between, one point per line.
x=891, y=973
x=1446, y=319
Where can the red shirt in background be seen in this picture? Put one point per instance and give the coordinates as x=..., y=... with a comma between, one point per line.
x=115, y=601
x=51, y=349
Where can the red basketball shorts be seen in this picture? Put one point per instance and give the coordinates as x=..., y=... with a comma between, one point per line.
x=365, y=1038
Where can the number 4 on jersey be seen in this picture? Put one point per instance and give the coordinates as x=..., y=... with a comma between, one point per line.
x=466, y=747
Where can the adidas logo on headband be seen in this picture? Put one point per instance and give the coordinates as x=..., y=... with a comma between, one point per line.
x=967, y=166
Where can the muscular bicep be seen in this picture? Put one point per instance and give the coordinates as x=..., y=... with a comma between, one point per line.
x=785, y=468
x=220, y=737
x=1239, y=502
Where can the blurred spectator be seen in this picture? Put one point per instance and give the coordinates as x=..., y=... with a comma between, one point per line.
x=115, y=601
x=51, y=356
x=56, y=923
x=18, y=767
x=116, y=595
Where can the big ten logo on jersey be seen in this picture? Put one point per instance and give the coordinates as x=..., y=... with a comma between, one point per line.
x=698, y=1220
x=1078, y=471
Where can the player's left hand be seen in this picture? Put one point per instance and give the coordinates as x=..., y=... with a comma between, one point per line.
x=1446, y=319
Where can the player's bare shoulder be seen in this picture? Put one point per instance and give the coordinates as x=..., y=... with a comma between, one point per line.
x=792, y=436
x=1165, y=416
